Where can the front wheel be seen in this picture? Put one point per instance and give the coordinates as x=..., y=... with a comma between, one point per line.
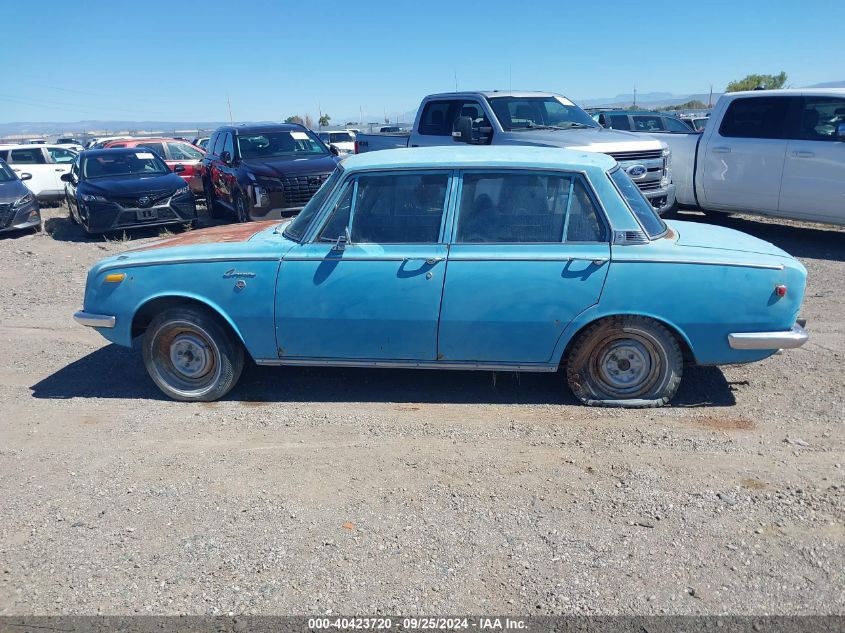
x=241, y=209
x=625, y=361
x=191, y=355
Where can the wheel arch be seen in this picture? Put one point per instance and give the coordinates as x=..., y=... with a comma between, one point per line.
x=147, y=310
x=577, y=327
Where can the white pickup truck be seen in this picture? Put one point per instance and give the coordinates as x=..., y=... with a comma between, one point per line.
x=538, y=119
x=768, y=152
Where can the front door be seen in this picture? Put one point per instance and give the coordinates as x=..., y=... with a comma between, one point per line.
x=743, y=158
x=530, y=252
x=33, y=160
x=376, y=297
x=814, y=172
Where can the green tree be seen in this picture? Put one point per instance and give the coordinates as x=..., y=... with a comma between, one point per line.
x=695, y=104
x=324, y=120
x=294, y=119
x=767, y=82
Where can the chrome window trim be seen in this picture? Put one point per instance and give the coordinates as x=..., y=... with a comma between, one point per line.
x=407, y=364
x=591, y=191
x=204, y=260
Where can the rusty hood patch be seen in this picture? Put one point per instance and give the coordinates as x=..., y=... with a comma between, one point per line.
x=218, y=234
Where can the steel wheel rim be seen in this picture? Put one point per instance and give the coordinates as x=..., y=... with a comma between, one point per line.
x=186, y=359
x=628, y=366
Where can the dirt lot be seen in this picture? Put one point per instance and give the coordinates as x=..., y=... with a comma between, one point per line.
x=329, y=490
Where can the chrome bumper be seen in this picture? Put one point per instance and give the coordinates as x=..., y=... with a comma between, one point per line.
x=796, y=337
x=94, y=320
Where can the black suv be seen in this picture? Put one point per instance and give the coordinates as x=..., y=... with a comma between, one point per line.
x=263, y=172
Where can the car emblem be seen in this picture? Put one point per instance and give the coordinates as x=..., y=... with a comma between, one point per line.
x=145, y=201
x=636, y=171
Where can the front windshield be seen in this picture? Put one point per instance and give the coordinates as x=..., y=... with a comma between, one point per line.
x=341, y=137
x=113, y=163
x=277, y=144
x=6, y=174
x=521, y=113
x=296, y=229
x=647, y=216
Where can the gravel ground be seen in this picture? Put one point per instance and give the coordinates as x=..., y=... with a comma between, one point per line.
x=376, y=491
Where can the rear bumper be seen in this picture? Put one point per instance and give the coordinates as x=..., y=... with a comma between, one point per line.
x=94, y=320
x=791, y=339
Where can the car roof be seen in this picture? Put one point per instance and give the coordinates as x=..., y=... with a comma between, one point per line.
x=472, y=157
x=31, y=145
x=263, y=127
x=790, y=92
x=110, y=151
x=493, y=93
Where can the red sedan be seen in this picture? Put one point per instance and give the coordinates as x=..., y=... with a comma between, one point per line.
x=173, y=152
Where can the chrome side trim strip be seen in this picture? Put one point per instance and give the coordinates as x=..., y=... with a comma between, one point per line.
x=405, y=364
x=796, y=337
x=697, y=262
x=94, y=320
x=206, y=260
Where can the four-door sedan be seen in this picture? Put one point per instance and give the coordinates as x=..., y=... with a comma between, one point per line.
x=18, y=206
x=115, y=189
x=489, y=258
x=174, y=152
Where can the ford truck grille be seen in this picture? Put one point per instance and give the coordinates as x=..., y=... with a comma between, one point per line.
x=647, y=155
x=649, y=180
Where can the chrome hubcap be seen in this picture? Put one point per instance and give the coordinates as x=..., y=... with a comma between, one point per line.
x=625, y=364
x=190, y=355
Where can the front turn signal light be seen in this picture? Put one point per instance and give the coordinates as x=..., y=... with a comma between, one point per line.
x=115, y=278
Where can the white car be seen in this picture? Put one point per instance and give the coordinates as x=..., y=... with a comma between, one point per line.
x=770, y=152
x=342, y=140
x=46, y=163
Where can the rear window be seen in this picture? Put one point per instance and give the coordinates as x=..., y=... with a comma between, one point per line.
x=636, y=201
x=755, y=117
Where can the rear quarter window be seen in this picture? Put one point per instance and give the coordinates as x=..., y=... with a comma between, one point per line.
x=756, y=117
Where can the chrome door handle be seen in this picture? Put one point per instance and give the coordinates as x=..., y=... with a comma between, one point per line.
x=803, y=154
x=431, y=261
x=721, y=150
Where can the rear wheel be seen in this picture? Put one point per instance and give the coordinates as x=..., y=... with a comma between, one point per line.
x=210, y=199
x=70, y=212
x=191, y=355
x=625, y=361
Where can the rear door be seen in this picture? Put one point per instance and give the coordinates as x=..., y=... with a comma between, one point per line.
x=33, y=160
x=62, y=160
x=190, y=158
x=742, y=164
x=530, y=252
x=814, y=172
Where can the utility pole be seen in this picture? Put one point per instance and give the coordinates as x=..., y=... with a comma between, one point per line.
x=229, y=103
x=456, y=80
x=635, y=96
x=710, y=100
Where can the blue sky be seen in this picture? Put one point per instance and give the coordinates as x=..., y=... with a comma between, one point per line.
x=178, y=61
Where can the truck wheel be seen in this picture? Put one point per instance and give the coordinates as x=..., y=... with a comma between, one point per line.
x=191, y=356
x=625, y=361
x=210, y=200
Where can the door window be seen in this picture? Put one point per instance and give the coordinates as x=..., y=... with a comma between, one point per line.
x=183, y=151
x=218, y=144
x=676, y=126
x=391, y=209
x=32, y=156
x=755, y=117
x=61, y=155
x=819, y=119
x=619, y=122
x=508, y=208
x=435, y=120
x=155, y=148
x=229, y=146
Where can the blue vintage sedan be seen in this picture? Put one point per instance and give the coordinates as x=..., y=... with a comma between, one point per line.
x=489, y=258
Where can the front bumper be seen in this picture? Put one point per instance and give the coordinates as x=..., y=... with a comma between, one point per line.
x=662, y=199
x=94, y=320
x=795, y=337
x=104, y=216
x=24, y=218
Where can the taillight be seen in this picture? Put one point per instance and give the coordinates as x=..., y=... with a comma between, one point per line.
x=356, y=147
x=780, y=290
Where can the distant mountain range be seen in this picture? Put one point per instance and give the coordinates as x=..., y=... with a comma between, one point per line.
x=185, y=128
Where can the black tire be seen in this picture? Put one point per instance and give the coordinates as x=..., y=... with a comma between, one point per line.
x=70, y=212
x=241, y=208
x=210, y=200
x=625, y=361
x=212, y=358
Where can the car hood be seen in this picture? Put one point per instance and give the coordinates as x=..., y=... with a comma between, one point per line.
x=589, y=140
x=131, y=185
x=281, y=167
x=12, y=191
x=718, y=237
x=231, y=233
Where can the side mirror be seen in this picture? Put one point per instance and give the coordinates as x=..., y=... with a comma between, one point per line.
x=226, y=157
x=462, y=130
x=342, y=241
x=178, y=169
x=25, y=176
x=840, y=132
x=67, y=177
x=333, y=150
